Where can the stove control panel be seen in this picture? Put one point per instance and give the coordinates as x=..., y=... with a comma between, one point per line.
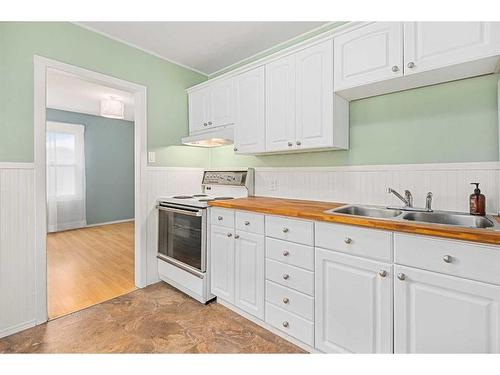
x=235, y=178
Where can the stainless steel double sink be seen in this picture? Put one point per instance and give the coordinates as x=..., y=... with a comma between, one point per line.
x=435, y=217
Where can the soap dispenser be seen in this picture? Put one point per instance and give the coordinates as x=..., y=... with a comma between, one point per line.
x=477, y=201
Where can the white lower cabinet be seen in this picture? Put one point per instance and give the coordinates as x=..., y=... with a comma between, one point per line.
x=222, y=262
x=436, y=313
x=353, y=304
x=249, y=273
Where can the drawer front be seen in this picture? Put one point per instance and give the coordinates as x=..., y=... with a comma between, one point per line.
x=463, y=259
x=290, y=253
x=299, y=231
x=290, y=324
x=368, y=243
x=222, y=216
x=290, y=300
x=249, y=222
x=290, y=276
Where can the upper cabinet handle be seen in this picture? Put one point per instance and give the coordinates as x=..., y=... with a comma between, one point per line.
x=298, y=143
x=411, y=65
x=210, y=123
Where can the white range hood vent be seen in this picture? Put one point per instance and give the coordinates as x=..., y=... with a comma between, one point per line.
x=213, y=138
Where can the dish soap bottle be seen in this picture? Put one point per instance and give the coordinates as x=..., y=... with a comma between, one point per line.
x=477, y=201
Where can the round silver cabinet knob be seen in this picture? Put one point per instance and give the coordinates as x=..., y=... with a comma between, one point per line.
x=286, y=276
x=395, y=68
x=298, y=143
x=401, y=276
x=210, y=123
x=236, y=236
x=448, y=258
x=247, y=223
x=235, y=149
x=285, y=230
x=285, y=253
x=285, y=324
x=411, y=65
x=348, y=240
x=230, y=235
x=219, y=218
x=205, y=124
x=382, y=273
x=290, y=144
x=285, y=300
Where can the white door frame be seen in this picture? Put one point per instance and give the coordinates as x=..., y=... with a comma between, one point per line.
x=41, y=64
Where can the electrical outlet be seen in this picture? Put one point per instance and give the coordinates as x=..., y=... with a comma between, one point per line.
x=151, y=157
x=273, y=186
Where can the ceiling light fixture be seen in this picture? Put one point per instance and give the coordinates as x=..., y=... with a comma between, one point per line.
x=112, y=108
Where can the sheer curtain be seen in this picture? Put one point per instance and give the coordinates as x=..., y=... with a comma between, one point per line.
x=65, y=176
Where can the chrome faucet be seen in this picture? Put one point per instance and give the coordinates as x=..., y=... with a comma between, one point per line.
x=408, y=198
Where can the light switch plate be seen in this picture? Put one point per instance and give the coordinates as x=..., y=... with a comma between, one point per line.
x=151, y=157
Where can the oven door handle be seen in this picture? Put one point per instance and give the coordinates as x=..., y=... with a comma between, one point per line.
x=179, y=211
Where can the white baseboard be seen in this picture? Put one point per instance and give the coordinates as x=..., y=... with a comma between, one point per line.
x=17, y=328
x=109, y=222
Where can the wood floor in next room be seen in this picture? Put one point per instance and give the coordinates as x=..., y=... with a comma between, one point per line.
x=156, y=319
x=88, y=266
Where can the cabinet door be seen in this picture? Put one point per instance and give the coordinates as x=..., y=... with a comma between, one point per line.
x=250, y=132
x=436, y=313
x=249, y=273
x=369, y=54
x=314, y=96
x=222, y=262
x=198, y=109
x=353, y=305
x=221, y=103
x=280, y=104
x=432, y=45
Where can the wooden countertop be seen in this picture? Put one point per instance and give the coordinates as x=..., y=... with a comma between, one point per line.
x=314, y=210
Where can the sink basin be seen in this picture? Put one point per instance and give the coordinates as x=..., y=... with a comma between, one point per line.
x=449, y=219
x=367, y=211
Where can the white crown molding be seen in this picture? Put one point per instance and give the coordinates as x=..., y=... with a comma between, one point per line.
x=139, y=48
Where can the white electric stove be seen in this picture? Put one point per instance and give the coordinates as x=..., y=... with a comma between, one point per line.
x=182, y=230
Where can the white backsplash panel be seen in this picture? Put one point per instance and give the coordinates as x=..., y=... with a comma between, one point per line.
x=449, y=183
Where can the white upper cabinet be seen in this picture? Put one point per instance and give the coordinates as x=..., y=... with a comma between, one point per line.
x=250, y=129
x=221, y=103
x=384, y=57
x=280, y=104
x=369, y=54
x=314, y=96
x=199, y=109
x=436, y=313
x=432, y=45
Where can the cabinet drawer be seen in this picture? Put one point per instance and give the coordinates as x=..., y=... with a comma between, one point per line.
x=290, y=253
x=290, y=324
x=369, y=243
x=222, y=216
x=299, y=231
x=290, y=300
x=464, y=259
x=249, y=222
x=290, y=276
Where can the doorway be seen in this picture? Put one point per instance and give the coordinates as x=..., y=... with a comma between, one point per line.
x=90, y=240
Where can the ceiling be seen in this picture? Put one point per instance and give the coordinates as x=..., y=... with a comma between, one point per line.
x=203, y=46
x=68, y=92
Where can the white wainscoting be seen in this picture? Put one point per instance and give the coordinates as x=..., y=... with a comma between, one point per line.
x=450, y=183
x=164, y=182
x=17, y=247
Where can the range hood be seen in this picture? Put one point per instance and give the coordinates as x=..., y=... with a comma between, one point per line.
x=216, y=137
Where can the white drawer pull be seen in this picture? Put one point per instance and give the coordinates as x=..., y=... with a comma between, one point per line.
x=286, y=276
x=247, y=223
x=447, y=258
x=285, y=230
x=219, y=218
x=348, y=240
x=382, y=273
x=286, y=253
x=285, y=300
x=285, y=324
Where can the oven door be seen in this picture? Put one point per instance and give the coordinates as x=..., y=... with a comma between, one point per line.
x=182, y=237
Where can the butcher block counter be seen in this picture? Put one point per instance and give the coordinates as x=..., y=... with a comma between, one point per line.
x=314, y=210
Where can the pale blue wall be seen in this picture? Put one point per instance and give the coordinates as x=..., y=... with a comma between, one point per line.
x=109, y=165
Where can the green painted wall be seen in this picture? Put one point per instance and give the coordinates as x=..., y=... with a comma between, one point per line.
x=109, y=165
x=69, y=43
x=450, y=122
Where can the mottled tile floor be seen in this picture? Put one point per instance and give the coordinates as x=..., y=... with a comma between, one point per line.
x=156, y=319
